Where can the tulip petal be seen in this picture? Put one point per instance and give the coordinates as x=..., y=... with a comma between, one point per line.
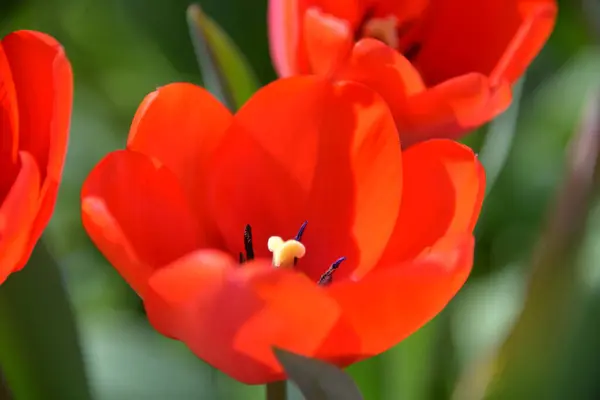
x=451, y=108
x=284, y=19
x=537, y=22
x=382, y=68
x=137, y=215
x=17, y=214
x=232, y=316
x=287, y=41
x=328, y=41
x=421, y=113
x=444, y=186
x=404, y=297
x=44, y=88
x=462, y=36
x=348, y=10
x=9, y=128
x=9, y=123
x=404, y=11
x=181, y=124
x=306, y=149
x=386, y=71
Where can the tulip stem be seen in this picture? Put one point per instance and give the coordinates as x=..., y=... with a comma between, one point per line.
x=277, y=390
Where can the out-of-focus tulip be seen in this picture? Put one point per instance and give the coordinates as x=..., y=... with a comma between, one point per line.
x=36, y=91
x=444, y=66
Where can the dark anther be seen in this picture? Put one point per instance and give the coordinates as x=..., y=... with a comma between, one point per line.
x=301, y=231
x=327, y=277
x=242, y=258
x=248, y=243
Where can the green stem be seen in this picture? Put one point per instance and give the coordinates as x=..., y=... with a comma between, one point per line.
x=277, y=390
x=39, y=346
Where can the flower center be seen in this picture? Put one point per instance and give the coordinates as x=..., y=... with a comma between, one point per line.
x=383, y=29
x=286, y=253
x=400, y=35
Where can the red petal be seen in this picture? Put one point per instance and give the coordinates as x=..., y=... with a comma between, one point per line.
x=137, y=215
x=9, y=118
x=9, y=127
x=304, y=149
x=537, y=22
x=232, y=316
x=284, y=20
x=43, y=82
x=17, y=214
x=388, y=305
x=348, y=10
x=44, y=86
x=444, y=185
x=451, y=108
x=462, y=36
x=405, y=11
x=328, y=41
x=446, y=110
x=288, y=44
x=181, y=125
x=383, y=69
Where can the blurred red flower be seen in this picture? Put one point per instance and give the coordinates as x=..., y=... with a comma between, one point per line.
x=36, y=90
x=171, y=214
x=447, y=66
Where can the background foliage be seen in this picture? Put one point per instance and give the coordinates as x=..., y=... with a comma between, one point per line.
x=121, y=50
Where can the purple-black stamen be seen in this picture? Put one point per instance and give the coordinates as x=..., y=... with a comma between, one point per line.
x=298, y=237
x=242, y=258
x=248, y=243
x=327, y=277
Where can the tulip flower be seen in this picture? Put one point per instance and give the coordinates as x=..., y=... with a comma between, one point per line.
x=444, y=66
x=297, y=223
x=35, y=105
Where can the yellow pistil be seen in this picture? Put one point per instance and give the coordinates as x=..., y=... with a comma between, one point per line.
x=384, y=29
x=284, y=253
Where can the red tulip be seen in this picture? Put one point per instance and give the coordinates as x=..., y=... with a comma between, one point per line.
x=196, y=215
x=35, y=105
x=444, y=66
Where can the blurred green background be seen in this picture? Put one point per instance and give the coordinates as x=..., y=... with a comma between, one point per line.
x=122, y=50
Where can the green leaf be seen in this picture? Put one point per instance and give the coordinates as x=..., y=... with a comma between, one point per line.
x=39, y=343
x=225, y=71
x=369, y=375
x=317, y=379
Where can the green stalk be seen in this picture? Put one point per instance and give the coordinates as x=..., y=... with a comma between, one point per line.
x=40, y=355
